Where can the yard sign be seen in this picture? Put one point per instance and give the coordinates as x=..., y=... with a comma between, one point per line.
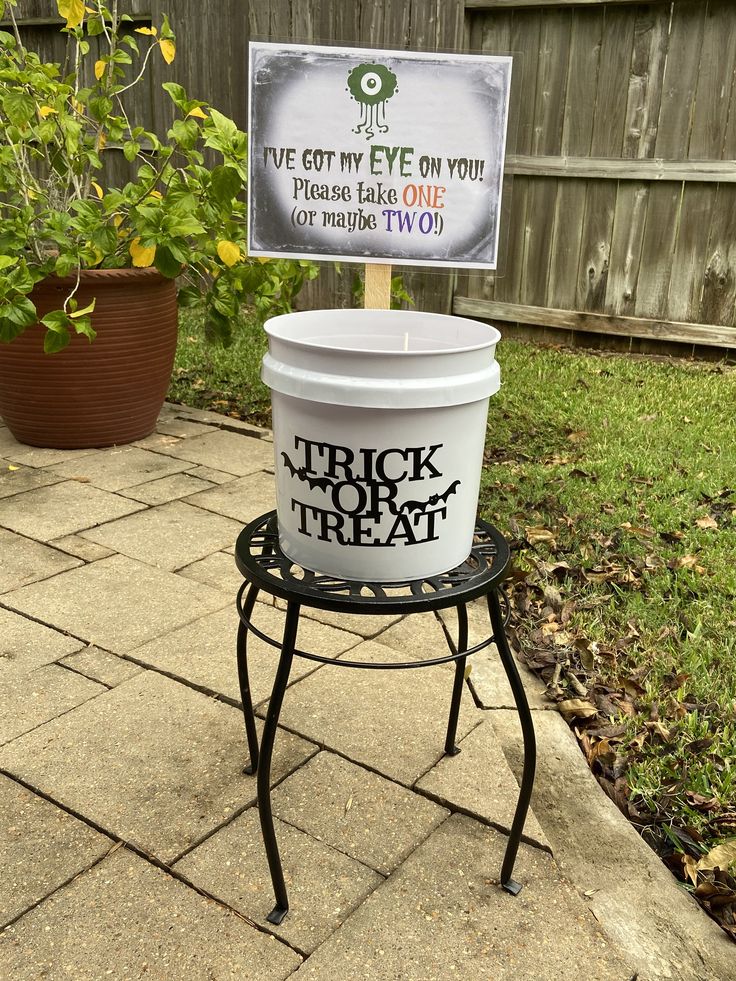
x=376, y=156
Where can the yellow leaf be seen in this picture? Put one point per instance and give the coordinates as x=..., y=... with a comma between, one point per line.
x=98, y=190
x=143, y=256
x=76, y=105
x=72, y=11
x=117, y=220
x=197, y=113
x=11, y=467
x=150, y=31
x=229, y=252
x=101, y=140
x=100, y=67
x=98, y=256
x=45, y=111
x=155, y=194
x=168, y=50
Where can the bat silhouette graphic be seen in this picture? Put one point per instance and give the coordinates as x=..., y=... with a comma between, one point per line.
x=322, y=482
x=408, y=507
x=289, y=465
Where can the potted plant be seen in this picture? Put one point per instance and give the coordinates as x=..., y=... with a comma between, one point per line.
x=88, y=292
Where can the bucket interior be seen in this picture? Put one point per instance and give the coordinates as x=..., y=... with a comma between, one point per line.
x=382, y=331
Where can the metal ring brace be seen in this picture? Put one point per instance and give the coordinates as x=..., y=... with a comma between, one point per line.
x=341, y=663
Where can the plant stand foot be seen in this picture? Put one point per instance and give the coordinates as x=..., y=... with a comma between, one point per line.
x=249, y=769
x=278, y=913
x=453, y=751
x=512, y=886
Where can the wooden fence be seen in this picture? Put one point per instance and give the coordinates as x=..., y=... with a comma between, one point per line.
x=622, y=145
x=620, y=204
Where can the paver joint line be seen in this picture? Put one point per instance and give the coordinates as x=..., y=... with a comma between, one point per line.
x=117, y=843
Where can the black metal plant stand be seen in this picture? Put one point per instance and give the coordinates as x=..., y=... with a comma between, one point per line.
x=265, y=567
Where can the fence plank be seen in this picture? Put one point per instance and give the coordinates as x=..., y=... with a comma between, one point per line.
x=551, y=87
x=607, y=140
x=626, y=248
x=583, y=65
x=652, y=287
x=554, y=44
x=715, y=82
x=595, y=248
x=492, y=36
x=649, y=55
x=662, y=330
x=718, y=305
x=612, y=89
x=680, y=79
x=689, y=256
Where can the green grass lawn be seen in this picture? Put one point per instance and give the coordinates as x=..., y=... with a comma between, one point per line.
x=615, y=479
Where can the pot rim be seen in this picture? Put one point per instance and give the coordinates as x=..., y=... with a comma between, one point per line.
x=116, y=275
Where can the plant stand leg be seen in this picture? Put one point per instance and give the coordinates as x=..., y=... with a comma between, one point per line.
x=281, y=908
x=530, y=744
x=245, y=695
x=451, y=748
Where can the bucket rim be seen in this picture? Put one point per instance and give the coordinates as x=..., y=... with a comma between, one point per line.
x=271, y=326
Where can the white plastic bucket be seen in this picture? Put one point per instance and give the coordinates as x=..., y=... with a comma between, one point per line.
x=379, y=421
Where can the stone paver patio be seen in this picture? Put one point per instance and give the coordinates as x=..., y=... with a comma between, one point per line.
x=129, y=837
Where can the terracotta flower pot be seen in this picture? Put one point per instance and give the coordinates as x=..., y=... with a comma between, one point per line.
x=109, y=391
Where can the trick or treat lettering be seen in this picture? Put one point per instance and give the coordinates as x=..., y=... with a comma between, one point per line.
x=368, y=496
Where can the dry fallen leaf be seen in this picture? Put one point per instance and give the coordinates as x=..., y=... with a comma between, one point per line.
x=577, y=708
x=687, y=562
x=707, y=523
x=722, y=856
x=691, y=868
x=535, y=535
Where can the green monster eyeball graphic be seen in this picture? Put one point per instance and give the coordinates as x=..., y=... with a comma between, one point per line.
x=371, y=86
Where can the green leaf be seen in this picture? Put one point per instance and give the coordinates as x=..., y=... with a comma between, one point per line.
x=224, y=126
x=178, y=95
x=8, y=260
x=188, y=296
x=21, y=312
x=131, y=149
x=166, y=264
x=94, y=26
x=84, y=326
x=56, y=320
x=185, y=132
x=100, y=108
x=66, y=264
x=55, y=341
x=20, y=107
x=8, y=330
x=226, y=184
